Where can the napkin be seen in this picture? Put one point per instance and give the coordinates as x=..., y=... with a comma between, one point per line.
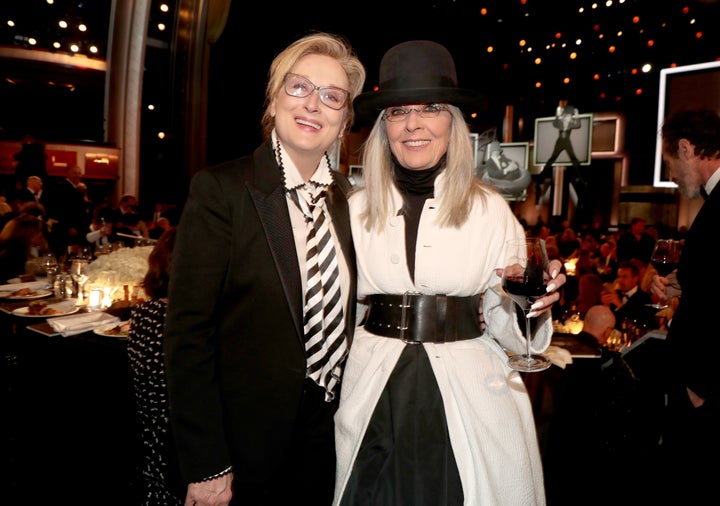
x=32, y=285
x=558, y=356
x=77, y=324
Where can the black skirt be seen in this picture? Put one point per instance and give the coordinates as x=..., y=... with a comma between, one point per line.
x=405, y=457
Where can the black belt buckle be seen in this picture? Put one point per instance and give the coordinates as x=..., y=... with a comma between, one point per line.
x=405, y=317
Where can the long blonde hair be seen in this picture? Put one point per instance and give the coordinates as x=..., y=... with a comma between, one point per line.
x=320, y=43
x=461, y=186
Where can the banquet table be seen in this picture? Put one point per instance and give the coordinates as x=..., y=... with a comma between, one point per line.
x=68, y=419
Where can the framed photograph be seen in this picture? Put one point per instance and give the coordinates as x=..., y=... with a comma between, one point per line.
x=505, y=166
x=355, y=175
x=608, y=135
x=560, y=144
x=687, y=87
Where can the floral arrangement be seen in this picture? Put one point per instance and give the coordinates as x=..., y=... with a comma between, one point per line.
x=130, y=265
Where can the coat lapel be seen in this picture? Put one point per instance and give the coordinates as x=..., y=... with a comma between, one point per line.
x=268, y=195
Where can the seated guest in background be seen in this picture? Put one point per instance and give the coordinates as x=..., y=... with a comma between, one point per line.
x=6, y=211
x=635, y=242
x=125, y=219
x=100, y=228
x=589, y=293
x=607, y=260
x=21, y=240
x=159, y=227
x=161, y=484
x=598, y=324
x=629, y=302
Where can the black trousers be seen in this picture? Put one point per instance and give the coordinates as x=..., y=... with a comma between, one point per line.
x=307, y=473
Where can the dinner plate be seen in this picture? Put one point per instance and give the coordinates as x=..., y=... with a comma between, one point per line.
x=35, y=294
x=65, y=309
x=108, y=330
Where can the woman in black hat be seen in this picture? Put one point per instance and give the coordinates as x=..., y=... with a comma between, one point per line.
x=430, y=413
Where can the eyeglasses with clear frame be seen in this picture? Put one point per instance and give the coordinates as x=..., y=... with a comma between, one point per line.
x=402, y=113
x=301, y=87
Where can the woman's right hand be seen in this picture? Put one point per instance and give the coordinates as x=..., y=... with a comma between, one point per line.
x=215, y=492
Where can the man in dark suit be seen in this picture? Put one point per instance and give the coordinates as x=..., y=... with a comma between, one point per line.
x=691, y=151
x=629, y=302
x=249, y=416
x=68, y=212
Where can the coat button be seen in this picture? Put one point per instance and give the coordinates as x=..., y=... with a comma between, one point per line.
x=395, y=259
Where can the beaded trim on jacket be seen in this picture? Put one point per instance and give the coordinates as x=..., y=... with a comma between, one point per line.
x=321, y=177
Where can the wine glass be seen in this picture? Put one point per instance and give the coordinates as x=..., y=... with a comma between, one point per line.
x=665, y=257
x=50, y=265
x=78, y=270
x=524, y=279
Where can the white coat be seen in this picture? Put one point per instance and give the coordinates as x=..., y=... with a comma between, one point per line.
x=489, y=414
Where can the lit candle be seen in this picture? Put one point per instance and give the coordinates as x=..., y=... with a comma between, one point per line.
x=95, y=298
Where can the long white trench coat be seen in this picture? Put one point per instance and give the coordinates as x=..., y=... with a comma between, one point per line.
x=489, y=414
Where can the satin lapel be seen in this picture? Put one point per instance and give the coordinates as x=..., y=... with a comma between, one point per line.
x=270, y=201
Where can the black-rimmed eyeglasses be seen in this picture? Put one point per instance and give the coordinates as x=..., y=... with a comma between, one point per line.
x=301, y=87
x=403, y=113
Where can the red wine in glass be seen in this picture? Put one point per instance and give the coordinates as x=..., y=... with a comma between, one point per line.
x=524, y=281
x=665, y=258
x=664, y=267
x=524, y=290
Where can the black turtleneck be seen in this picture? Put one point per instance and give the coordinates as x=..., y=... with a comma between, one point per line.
x=415, y=186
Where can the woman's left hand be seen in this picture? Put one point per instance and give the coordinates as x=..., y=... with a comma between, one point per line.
x=557, y=279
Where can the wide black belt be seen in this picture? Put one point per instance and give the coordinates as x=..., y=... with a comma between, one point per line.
x=417, y=318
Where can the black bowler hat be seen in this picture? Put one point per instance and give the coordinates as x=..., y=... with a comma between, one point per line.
x=417, y=71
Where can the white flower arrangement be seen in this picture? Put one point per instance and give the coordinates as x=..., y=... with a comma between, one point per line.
x=130, y=264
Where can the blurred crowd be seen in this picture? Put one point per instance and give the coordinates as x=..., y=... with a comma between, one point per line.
x=41, y=215
x=610, y=268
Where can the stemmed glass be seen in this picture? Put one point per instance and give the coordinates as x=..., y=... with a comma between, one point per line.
x=78, y=270
x=524, y=279
x=665, y=258
x=50, y=265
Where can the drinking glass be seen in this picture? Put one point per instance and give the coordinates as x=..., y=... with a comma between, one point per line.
x=50, y=265
x=665, y=258
x=108, y=282
x=78, y=270
x=524, y=279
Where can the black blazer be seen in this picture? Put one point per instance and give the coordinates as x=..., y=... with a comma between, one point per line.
x=693, y=331
x=234, y=345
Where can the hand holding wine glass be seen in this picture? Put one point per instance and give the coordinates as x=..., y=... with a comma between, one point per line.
x=524, y=279
x=665, y=258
